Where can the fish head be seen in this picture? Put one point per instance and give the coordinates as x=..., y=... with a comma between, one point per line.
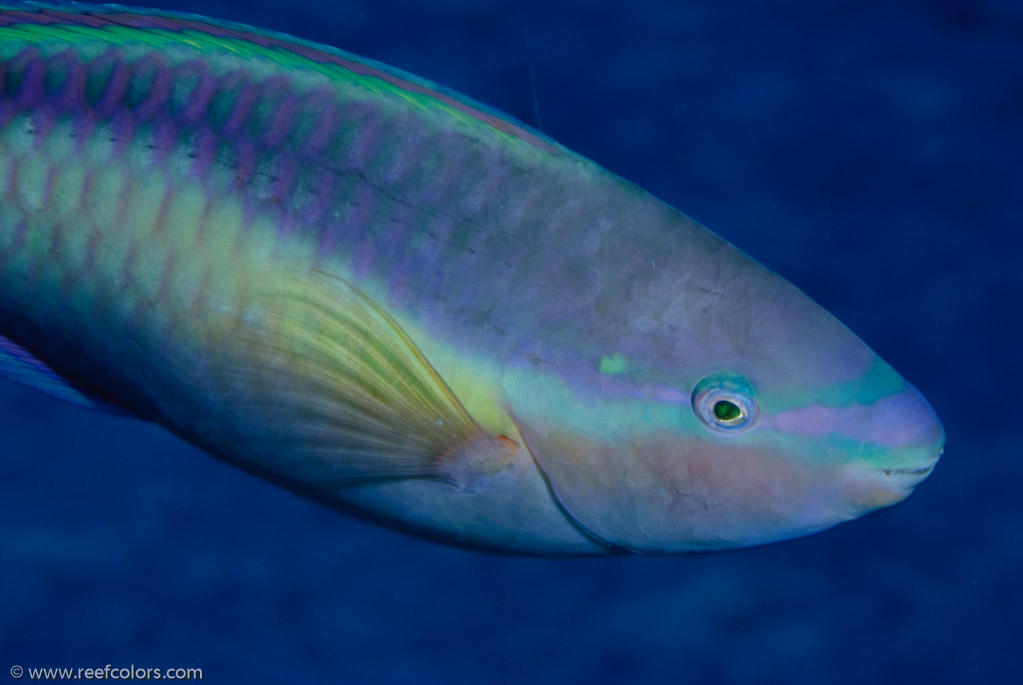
x=739, y=414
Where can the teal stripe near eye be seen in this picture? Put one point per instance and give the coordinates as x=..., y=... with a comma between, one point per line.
x=878, y=382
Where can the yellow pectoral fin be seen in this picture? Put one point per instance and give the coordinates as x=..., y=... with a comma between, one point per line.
x=337, y=389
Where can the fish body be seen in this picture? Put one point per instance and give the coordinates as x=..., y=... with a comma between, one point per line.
x=393, y=299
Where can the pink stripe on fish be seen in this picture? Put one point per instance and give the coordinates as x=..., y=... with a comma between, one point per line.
x=893, y=421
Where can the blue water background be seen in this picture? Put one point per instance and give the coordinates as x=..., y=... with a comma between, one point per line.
x=867, y=150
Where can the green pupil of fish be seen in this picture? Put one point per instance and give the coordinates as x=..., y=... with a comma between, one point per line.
x=726, y=411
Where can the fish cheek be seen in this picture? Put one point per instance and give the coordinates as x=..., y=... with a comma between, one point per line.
x=668, y=494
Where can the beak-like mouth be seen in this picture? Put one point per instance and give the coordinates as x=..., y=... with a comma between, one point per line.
x=908, y=478
x=885, y=487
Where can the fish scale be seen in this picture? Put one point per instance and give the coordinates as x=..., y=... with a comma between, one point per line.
x=384, y=295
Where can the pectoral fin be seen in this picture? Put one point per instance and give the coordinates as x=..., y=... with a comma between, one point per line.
x=338, y=388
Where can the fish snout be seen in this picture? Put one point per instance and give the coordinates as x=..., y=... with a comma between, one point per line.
x=906, y=420
x=903, y=439
x=908, y=427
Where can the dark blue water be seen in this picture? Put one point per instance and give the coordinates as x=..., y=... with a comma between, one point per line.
x=868, y=150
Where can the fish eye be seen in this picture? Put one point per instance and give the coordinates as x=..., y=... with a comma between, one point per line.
x=725, y=403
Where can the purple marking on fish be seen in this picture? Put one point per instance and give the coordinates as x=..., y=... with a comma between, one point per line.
x=243, y=105
x=43, y=122
x=363, y=119
x=285, y=180
x=318, y=201
x=165, y=138
x=246, y=169
x=31, y=87
x=198, y=100
x=117, y=85
x=71, y=93
x=84, y=124
x=159, y=91
x=286, y=227
x=123, y=128
x=70, y=18
x=278, y=94
x=327, y=122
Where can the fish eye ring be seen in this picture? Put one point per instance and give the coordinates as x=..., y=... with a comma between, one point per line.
x=725, y=403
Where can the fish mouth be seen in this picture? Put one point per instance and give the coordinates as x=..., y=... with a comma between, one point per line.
x=907, y=478
x=883, y=487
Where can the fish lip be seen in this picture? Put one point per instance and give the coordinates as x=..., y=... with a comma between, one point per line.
x=922, y=471
x=909, y=477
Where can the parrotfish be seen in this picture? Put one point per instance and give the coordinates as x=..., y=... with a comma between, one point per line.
x=395, y=300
